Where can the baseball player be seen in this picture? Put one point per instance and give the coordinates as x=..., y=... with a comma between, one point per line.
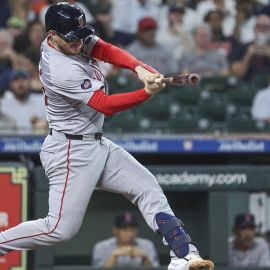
x=75, y=155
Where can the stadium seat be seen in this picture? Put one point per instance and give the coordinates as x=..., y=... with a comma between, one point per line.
x=121, y=83
x=121, y=122
x=242, y=96
x=260, y=81
x=186, y=95
x=220, y=84
x=183, y=125
x=213, y=111
x=216, y=84
x=154, y=109
x=238, y=125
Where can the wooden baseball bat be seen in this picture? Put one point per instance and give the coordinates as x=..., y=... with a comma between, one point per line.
x=191, y=79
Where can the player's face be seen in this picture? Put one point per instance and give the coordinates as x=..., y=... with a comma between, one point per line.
x=246, y=236
x=70, y=47
x=126, y=235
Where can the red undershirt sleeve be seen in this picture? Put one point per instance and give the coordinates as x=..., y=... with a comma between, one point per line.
x=111, y=54
x=110, y=104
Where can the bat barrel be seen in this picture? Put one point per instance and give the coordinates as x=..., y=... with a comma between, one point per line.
x=193, y=78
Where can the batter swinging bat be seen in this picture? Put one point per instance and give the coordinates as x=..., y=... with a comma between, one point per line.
x=191, y=79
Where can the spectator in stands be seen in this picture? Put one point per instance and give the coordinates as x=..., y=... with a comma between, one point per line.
x=148, y=50
x=5, y=12
x=127, y=14
x=88, y=16
x=246, y=250
x=7, y=124
x=29, y=42
x=171, y=35
x=8, y=58
x=190, y=18
x=25, y=108
x=202, y=60
x=267, y=238
x=227, y=9
x=254, y=58
x=260, y=110
x=103, y=27
x=218, y=41
x=244, y=21
x=125, y=248
x=15, y=26
x=22, y=9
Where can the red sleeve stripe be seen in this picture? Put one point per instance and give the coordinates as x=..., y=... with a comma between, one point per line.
x=111, y=54
x=60, y=210
x=111, y=104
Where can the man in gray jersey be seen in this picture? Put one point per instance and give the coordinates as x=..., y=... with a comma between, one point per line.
x=125, y=248
x=245, y=249
x=75, y=155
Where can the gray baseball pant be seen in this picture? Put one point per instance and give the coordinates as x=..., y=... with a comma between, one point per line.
x=74, y=168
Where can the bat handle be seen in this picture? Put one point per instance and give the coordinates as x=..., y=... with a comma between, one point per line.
x=167, y=80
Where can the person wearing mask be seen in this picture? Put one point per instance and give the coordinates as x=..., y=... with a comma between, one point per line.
x=252, y=59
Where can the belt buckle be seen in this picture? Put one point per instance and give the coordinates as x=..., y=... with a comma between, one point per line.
x=98, y=136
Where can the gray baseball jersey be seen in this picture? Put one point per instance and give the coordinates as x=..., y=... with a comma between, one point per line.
x=257, y=256
x=75, y=167
x=103, y=250
x=68, y=84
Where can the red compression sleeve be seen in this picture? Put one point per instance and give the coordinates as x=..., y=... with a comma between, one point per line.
x=111, y=54
x=111, y=104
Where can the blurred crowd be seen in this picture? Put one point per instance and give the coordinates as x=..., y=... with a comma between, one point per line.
x=209, y=37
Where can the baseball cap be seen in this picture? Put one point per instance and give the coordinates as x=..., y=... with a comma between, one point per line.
x=16, y=22
x=244, y=220
x=177, y=8
x=15, y=74
x=126, y=219
x=147, y=23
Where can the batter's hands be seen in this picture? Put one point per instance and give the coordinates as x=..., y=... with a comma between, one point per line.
x=153, y=84
x=144, y=72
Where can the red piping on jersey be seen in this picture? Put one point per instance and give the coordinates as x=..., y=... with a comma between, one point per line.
x=49, y=43
x=61, y=206
x=111, y=104
x=111, y=54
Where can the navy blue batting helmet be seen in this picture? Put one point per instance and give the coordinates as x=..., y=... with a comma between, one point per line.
x=68, y=21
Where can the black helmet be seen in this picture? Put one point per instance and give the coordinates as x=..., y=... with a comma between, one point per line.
x=68, y=21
